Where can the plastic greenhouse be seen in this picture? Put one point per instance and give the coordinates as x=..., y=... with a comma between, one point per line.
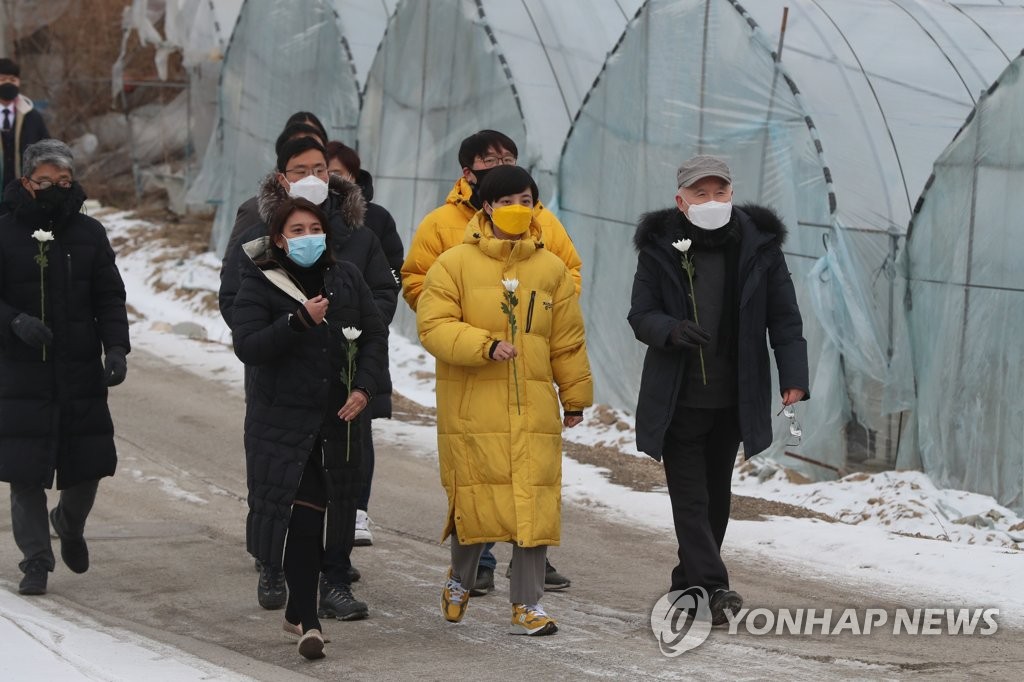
x=839, y=136
x=966, y=304
x=447, y=68
x=282, y=58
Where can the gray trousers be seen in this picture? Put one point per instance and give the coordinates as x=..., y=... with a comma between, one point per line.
x=31, y=524
x=527, y=582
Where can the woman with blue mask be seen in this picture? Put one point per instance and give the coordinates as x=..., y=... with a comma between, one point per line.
x=298, y=314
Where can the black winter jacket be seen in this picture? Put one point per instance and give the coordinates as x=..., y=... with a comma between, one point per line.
x=350, y=241
x=379, y=220
x=346, y=210
x=53, y=414
x=767, y=303
x=297, y=390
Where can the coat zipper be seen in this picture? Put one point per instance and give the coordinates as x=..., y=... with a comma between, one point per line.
x=529, y=311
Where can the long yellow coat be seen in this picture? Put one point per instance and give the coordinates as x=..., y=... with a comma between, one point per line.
x=501, y=458
x=445, y=227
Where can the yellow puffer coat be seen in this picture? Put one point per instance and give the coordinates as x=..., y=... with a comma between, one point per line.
x=501, y=460
x=445, y=227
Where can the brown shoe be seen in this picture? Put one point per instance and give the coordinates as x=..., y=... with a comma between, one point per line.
x=311, y=645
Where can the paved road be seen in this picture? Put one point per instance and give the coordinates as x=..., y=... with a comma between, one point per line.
x=169, y=562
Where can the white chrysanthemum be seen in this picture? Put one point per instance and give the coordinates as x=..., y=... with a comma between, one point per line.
x=682, y=245
x=510, y=284
x=42, y=236
x=351, y=333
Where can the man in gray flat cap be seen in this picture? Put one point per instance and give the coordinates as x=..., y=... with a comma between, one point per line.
x=711, y=283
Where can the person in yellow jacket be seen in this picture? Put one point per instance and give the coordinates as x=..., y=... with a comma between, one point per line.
x=445, y=226
x=501, y=316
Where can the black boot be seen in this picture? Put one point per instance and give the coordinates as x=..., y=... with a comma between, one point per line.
x=271, y=592
x=336, y=601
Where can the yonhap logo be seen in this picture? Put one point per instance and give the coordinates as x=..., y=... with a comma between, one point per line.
x=681, y=620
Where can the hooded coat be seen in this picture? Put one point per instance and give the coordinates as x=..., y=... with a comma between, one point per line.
x=346, y=210
x=54, y=417
x=445, y=227
x=499, y=448
x=767, y=305
x=297, y=390
x=29, y=128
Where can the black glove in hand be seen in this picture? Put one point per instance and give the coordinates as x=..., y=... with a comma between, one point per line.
x=116, y=366
x=32, y=330
x=689, y=334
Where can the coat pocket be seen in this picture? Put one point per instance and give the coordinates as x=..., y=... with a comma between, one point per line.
x=529, y=311
x=466, y=404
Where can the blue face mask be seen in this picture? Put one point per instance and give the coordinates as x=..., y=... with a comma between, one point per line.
x=305, y=251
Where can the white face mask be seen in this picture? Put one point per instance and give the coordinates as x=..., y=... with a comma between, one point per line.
x=311, y=188
x=710, y=215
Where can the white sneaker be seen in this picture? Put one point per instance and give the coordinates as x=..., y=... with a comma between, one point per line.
x=364, y=538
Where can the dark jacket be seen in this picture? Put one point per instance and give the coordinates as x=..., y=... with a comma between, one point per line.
x=346, y=210
x=29, y=128
x=379, y=220
x=297, y=390
x=767, y=304
x=350, y=241
x=53, y=413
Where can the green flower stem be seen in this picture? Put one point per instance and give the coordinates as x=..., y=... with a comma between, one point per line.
x=509, y=309
x=688, y=266
x=348, y=386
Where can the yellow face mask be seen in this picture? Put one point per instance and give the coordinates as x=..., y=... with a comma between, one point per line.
x=514, y=219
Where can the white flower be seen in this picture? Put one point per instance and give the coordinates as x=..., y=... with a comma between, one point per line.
x=510, y=285
x=351, y=333
x=42, y=236
x=682, y=245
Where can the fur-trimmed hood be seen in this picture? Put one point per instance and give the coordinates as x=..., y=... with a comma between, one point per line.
x=344, y=197
x=656, y=226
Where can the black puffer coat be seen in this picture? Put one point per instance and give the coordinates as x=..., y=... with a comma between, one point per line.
x=297, y=390
x=53, y=414
x=351, y=242
x=767, y=303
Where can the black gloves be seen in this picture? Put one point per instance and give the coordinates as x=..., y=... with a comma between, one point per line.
x=31, y=330
x=688, y=334
x=116, y=366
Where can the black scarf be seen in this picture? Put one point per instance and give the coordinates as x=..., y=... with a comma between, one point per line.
x=310, y=280
x=725, y=238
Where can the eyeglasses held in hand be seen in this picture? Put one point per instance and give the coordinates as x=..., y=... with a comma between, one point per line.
x=796, y=434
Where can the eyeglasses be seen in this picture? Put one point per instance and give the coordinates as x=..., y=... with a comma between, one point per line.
x=47, y=184
x=492, y=161
x=300, y=172
x=796, y=434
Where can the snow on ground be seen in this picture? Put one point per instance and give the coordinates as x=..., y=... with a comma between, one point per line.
x=36, y=644
x=896, y=535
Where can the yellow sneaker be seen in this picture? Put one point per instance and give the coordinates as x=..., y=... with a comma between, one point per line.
x=454, y=599
x=531, y=620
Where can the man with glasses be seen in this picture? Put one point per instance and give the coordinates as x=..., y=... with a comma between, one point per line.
x=445, y=227
x=64, y=331
x=20, y=124
x=711, y=283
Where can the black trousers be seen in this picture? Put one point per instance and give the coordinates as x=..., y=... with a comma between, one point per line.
x=699, y=454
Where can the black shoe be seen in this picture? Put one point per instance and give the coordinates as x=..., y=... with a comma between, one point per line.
x=553, y=580
x=724, y=600
x=484, y=582
x=73, y=550
x=336, y=601
x=34, y=581
x=271, y=591
x=353, y=574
